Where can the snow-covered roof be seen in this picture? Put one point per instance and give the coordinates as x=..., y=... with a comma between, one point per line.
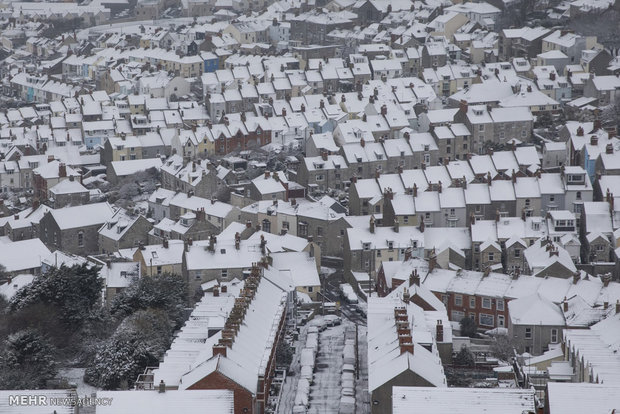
x=153, y=402
x=23, y=255
x=462, y=400
x=535, y=310
x=82, y=216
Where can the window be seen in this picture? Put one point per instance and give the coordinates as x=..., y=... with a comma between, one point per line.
x=303, y=229
x=457, y=316
x=486, y=303
x=444, y=299
x=481, y=127
x=554, y=336
x=491, y=256
x=528, y=333
x=578, y=195
x=472, y=302
x=486, y=320
x=427, y=159
x=517, y=253
x=159, y=270
x=81, y=239
x=405, y=219
x=366, y=264
x=458, y=300
x=501, y=322
x=224, y=273
x=500, y=304
x=266, y=226
x=319, y=231
x=391, y=245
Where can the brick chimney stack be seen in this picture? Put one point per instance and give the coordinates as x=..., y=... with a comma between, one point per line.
x=62, y=170
x=439, y=331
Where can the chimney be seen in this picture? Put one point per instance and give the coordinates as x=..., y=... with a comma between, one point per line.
x=372, y=224
x=439, y=187
x=609, y=148
x=384, y=110
x=353, y=180
x=617, y=306
x=219, y=349
x=267, y=174
x=50, y=158
x=463, y=106
x=165, y=242
x=377, y=173
x=162, y=387
x=576, y=277
x=406, y=296
x=414, y=278
x=596, y=125
x=248, y=224
x=362, y=142
x=237, y=241
x=216, y=292
x=406, y=347
x=439, y=331
x=321, y=104
x=223, y=288
x=62, y=170
x=580, y=131
x=72, y=178
x=606, y=279
x=324, y=155
x=497, y=216
x=552, y=76
x=593, y=140
x=396, y=225
x=415, y=190
x=565, y=304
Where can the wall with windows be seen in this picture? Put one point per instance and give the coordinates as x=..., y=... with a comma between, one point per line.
x=487, y=312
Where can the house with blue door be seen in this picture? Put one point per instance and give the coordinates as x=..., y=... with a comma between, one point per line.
x=211, y=61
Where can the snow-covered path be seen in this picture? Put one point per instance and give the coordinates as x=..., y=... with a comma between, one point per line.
x=325, y=391
x=289, y=387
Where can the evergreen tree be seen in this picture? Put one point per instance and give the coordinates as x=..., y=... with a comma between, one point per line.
x=74, y=291
x=27, y=361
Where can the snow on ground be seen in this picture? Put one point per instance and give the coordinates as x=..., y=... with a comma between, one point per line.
x=76, y=376
x=326, y=271
x=362, y=398
x=326, y=387
x=289, y=387
x=325, y=390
